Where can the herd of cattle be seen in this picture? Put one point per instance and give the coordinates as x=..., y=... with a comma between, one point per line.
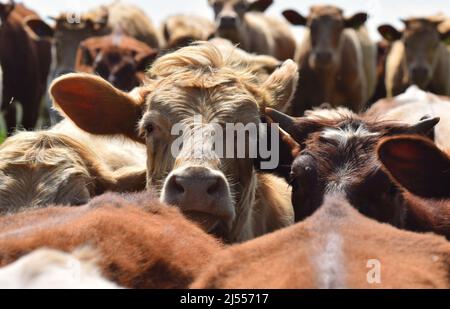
x=364, y=149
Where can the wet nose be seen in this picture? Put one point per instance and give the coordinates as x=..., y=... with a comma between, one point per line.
x=324, y=57
x=198, y=189
x=227, y=22
x=419, y=75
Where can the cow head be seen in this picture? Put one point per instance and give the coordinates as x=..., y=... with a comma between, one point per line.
x=338, y=155
x=182, y=30
x=421, y=39
x=69, y=30
x=229, y=15
x=119, y=59
x=5, y=10
x=190, y=97
x=326, y=25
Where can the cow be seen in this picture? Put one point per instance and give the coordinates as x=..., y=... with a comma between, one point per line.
x=66, y=166
x=138, y=241
x=336, y=247
x=53, y=269
x=411, y=106
x=419, y=56
x=243, y=22
x=226, y=194
x=419, y=167
x=118, y=58
x=70, y=29
x=336, y=60
x=334, y=151
x=25, y=64
x=181, y=30
x=383, y=48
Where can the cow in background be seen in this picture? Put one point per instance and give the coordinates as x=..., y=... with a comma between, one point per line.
x=419, y=56
x=181, y=30
x=337, y=60
x=25, y=65
x=118, y=58
x=69, y=30
x=243, y=22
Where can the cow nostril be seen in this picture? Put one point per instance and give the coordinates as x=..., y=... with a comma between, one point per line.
x=214, y=188
x=176, y=186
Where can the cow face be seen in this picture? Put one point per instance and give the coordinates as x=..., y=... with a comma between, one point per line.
x=421, y=39
x=66, y=35
x=326, y=24
x=229, y=15
x=119, y=59
x=191, y=95
x=338, y=155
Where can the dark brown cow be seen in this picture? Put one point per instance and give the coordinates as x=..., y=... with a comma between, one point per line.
x=141, y=243
x=336, y=60
x=338, y=155
x=118, y=58
x=419, y=56
x=243, y=22
x=336, y=247
x=422, y=169
x=25, y=64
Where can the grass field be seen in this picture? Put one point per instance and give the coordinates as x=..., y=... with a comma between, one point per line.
x=2, y=129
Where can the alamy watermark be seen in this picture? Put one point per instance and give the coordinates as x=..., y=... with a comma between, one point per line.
x=200, y=140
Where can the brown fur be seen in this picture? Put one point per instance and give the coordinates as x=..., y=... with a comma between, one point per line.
x=347, y=76
x=195, y=79
x=118, y=58
x=25, y=64
x=332, y=249
x=338, y=156
x=425, y=49
x=254, y=31
x=141, y=243
x=66, y=166
x=181, y=30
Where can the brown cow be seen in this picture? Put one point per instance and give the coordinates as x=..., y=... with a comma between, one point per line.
x=336, y=60
x=422, y=169
x=243, y=22
x=418, y=56
x=336, y=247
x=24, y=64
x=226, y=195
x=413, y=105
x=338, y=155
x=141, y=243
x=117, y=58
x=181, y=30
x=66, y=166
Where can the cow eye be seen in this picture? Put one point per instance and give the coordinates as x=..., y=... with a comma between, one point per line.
x=217, y=7
x=240, y=7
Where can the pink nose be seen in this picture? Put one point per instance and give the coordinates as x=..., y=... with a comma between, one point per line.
x=199, y=189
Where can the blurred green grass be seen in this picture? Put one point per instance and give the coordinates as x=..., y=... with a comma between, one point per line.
x=2, y=129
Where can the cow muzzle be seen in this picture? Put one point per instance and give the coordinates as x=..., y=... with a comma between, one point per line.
x=203, y=195
x=420, y=76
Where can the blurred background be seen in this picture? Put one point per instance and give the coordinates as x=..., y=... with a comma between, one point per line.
x=381, y=11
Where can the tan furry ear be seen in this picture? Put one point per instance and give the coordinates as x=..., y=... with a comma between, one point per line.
x=96, y=106
x=282, y=84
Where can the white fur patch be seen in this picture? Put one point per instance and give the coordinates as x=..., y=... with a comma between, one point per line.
x=412, y=94
x=342, y=136
x=329, y=263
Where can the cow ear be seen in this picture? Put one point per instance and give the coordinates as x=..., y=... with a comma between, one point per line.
x=145, y=61
x=356, y=20
x=259, y=5
x=96, y=106
x=38, y=29
x=389, y=33
x=295, y=18
x=417, y=165
x=282, y=84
